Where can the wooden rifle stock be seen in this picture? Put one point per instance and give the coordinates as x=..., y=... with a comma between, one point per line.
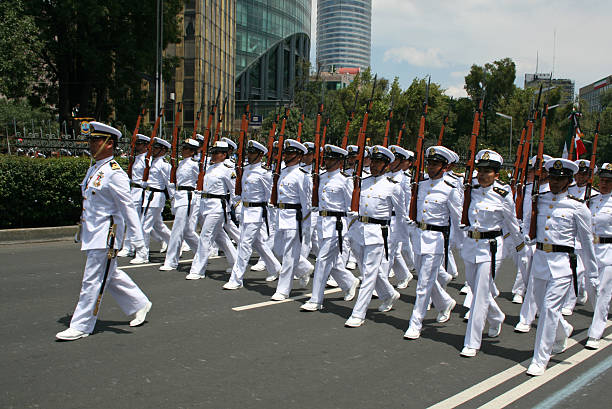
x=174, y=153
x=220, y=120
x=516, y=172
x=145, y=174
x=589, y=186
x=535, y=193
x=206, y=143
x=241, y=144
x=469, y=170
x=361, y=143
x=279, y=160
x=419, y=160
x=271, y=137
x=133, y=143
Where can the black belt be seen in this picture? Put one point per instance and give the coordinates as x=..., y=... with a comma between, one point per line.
x=152, y=190
x=477, y=235
x=384, y=228
x=189, y=190
x=445, y=230
x=224, y=201
x=556, y=248
x=134, y=184
x=298, y=214
x=602, y=240
x=264, y=213
x=339, y=226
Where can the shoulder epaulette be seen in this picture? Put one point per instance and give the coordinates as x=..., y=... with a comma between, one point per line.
x=303, y=170
x=322, y=173
x=500, y=191
x=345, y=174
x=266, y=167
x=367, y=177
x=392, y=180
x=452, y=175
x=575, y=198
x=459, y=175
x=449, y=183
x=195, y=159
x=114, y=165
x=501, y=182
x=228, y=165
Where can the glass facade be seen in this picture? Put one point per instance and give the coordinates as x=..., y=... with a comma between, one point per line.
x=344, y=33
x=207, y=59
x=272, y=49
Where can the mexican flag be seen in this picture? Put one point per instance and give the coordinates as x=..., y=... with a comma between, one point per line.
x=576, y=134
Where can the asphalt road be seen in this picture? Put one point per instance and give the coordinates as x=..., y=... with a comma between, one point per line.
x=195, y=351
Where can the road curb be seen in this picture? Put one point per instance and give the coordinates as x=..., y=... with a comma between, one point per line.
x=42, y=234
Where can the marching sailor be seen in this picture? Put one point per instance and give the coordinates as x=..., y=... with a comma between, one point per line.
x=256, y=189
x=107, y=209
x=183, y=203
x=561, y=219
x=380, y=196
x=335, y=194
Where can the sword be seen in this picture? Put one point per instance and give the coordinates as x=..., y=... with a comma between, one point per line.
x=110, y=255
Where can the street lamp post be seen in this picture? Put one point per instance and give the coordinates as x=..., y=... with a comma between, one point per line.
x=510, y=142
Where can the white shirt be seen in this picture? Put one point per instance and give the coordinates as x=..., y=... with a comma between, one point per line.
x=601, y=221
x=294, y=187
x=217, y=181
x=186, y=175
x=159, y=178
x=335, y=194
x=256, y=188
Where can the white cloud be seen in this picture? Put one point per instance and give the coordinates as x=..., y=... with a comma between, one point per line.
x=456, y=91
x=427, y=58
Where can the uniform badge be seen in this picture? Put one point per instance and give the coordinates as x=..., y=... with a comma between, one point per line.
x=250, y=144
x=85, y=128
x=393, y=149
x=582, y=164
x=609, y=166
x=98, y=180
x=558, y=165
x=328, y=149
x=115, y=165
x=375, y=149
x=287, y=144
x=486, y=156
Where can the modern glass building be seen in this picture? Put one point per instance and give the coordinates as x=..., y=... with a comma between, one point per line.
x=344, y=34
x=272, y=50
x=207, y=60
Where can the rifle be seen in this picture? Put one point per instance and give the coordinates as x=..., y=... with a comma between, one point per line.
x=516, y=172
x=535, y=193
x=324, y=138
x=173, y=154
x=197, y=120
x=279, y=160
x=350, y=118
x=244, y=127
x=361, y=143
x=206, y=143
x=444, y=122
x=420, y=160
x=316, y=162
x=133, y=143
x=220, y=120
x=587, y=190
x=388, y=124
x=271, y=137
x=403, y=128
x=145, y=174
x=522, y=180
x=469, y=170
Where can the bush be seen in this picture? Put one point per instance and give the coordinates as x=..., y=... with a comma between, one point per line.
x=43, y=192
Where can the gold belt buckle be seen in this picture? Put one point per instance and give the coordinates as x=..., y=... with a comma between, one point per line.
x=422, y=225
x=547, y=247
x=281, y=205
x=595, y=239
x=476, y=235
x=365, y=219
x=245, y=204
x=323, y=213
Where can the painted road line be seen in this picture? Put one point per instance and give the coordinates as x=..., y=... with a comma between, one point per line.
x=151, y=264
x=494, y=381
x=576, y=385
x=551, y=373
x=267, y=303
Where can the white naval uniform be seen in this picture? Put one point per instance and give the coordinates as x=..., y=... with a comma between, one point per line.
x=256, y=189
x=294, y=188
x=398, y=233
x=217, y=181
x=438, y=202
x=491, y=210
x=159, y=178
x=406, y=248
x=601, y=213
x=380, y=196
x=182, y=228
x=335, y=195
x=136, y=192
x=106, y=194
x=561, y=220
x=309, y=235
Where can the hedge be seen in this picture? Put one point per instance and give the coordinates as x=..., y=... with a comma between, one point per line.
x=43, y=192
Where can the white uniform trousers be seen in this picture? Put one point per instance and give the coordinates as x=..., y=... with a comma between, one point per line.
x=483, y=306
x=231, y=229
x=397, y=262
x=602, y=305
x=182, y=229
x=212, y=229
x=330, y=261
x=118, y=284
x=408, y=253
x=251, y=237
x=570, y=297
x=370, y=259
x=428, y=266
x=552, y=326
x=287, y=248
x=452, y=265
x=522, y=271
x=529, y=308
x=153, y=226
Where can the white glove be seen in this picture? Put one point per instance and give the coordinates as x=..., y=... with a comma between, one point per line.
x=528, y=240
x=353, y=214
x=144, y=184
x=594, y=281
x=410, y=222
x=314, y=209
x=464, y=227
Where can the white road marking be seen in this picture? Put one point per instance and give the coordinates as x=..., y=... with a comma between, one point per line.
x=267, y=303
x=498, y=379
x=551, y=373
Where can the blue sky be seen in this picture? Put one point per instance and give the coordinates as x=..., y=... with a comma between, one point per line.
x=413, y=38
